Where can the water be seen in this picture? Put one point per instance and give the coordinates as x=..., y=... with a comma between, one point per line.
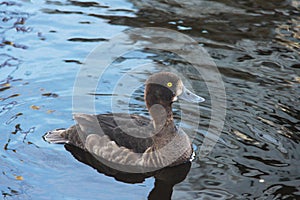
x=255, y=45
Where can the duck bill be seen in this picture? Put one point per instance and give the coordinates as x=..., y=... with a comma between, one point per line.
x=187, y=95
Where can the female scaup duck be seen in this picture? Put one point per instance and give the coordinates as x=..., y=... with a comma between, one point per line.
x=133, y=140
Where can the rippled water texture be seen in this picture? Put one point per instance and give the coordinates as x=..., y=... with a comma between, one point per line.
x=255, y=45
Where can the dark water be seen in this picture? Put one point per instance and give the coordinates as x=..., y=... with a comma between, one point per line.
x=255, y=45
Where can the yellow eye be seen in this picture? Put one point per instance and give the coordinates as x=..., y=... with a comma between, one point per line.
x=169, y=84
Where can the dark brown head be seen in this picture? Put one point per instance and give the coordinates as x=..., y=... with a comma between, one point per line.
x=164, y=87
x=161, y=90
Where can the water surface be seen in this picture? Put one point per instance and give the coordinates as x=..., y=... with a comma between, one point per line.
x=255, y=45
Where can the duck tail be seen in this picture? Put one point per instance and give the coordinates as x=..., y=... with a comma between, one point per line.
x=57, y=136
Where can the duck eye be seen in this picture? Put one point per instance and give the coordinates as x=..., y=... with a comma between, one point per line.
x=169, y=84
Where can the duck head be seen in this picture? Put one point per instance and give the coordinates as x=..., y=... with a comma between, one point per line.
x=161, y=90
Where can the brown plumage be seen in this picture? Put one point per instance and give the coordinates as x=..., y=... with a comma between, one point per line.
x=133, y=140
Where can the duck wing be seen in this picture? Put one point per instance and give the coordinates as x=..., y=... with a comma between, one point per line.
x=130, y=131
x=134, y=132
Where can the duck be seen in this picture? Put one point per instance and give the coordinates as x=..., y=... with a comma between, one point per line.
x=132, y=142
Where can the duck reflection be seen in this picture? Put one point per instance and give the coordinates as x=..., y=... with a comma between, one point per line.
x=165, y=178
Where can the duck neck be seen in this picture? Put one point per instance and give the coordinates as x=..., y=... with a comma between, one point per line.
x=162, y=116
x=159, y=103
